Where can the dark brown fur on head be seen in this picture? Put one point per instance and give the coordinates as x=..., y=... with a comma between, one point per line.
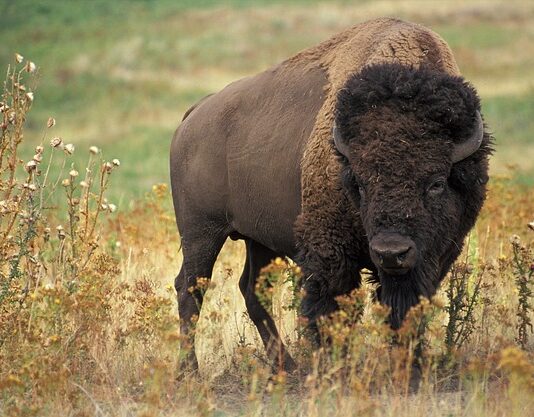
x=400, y=125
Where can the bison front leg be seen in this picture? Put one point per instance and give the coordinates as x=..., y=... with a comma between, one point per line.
x=324, y=279
x=258, y=256
x=317, y=303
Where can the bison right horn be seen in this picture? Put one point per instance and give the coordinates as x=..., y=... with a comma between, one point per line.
x=471, y=145
x=339, y=143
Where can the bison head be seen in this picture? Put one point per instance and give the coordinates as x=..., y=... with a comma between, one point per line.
x=414, y=164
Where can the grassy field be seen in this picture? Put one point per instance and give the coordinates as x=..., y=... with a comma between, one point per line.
x=88, y=320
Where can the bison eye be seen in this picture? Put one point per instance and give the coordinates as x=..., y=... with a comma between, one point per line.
x=361, y=190
x=437, y=187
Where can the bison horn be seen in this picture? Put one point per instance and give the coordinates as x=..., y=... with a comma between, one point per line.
x=339, y=143
x=471, y=145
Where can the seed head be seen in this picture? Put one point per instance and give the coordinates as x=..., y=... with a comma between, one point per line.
x=531, y=225
x=60, y=232
x=116, y=162
x=19, y=58
x=30, y=66
x=73, y=173
x=84, y=184
x=112, y=207
x=55, y=142
x=29, y=96
x=31, y=165
x=94, y=150
x=51, y=122
x=65, y=182
x=69, y=148
x=108, y=167
x=39, y=149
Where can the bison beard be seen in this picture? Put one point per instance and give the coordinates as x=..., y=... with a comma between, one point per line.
x=401, y=295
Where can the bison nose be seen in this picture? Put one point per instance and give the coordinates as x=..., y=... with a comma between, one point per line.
x=393, y=253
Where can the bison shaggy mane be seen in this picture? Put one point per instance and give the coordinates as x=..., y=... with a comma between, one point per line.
x=445, y=102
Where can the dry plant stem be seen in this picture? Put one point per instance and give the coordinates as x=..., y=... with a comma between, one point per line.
x=32, y=307
x=43, y=185
x=461, y=304
x=90, y=253
x=19, y=122
x=73, y=227
x=15, y=215
x=104, y=178
x=57, y=181
x=463, y=334
x=85, y=199
x=98, y=410
x=61, y=256
x=4, y=143
x=523, y=282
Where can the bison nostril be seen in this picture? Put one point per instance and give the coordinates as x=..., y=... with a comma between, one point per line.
x=393, y=252
x=392, y=256
x=401, y=257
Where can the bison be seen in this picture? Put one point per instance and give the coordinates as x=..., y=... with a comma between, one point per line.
x=366, y=151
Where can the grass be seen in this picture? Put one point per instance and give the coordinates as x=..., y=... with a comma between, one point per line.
x=88, y=320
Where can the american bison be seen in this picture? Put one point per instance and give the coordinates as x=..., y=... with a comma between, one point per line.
x=365, y=151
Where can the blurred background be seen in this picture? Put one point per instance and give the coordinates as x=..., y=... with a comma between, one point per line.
x=120, y=74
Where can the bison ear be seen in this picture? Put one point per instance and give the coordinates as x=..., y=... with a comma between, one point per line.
x=339, y=143
x=470, y=145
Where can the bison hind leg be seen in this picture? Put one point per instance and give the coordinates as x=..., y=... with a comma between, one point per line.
x=258, y=256
x=200, y=251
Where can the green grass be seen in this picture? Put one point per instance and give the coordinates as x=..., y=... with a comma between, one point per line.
x=483, y=35
x=120, y=74
x=518, y=125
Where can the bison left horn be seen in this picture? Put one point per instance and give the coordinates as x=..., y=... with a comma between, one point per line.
x=339, y=143
x=471, y=145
